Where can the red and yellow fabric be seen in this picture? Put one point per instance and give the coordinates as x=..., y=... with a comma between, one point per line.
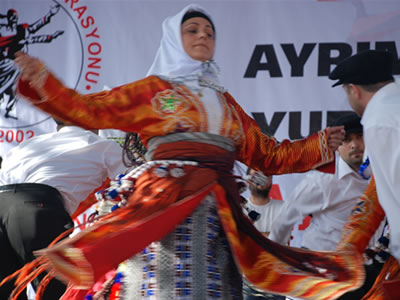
x=154, y=107
x=358, y=230
x=159, y=204
x=387, y=284
x=365, y=219
x=290, y=271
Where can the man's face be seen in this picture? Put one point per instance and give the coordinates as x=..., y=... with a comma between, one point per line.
x=352, y=150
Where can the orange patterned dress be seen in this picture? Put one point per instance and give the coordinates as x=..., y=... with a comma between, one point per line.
x=154, y=107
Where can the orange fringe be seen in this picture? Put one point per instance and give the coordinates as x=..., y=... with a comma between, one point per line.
x=43, y=285
x=21, y=282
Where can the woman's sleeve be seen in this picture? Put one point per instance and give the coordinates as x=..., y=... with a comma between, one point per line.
x=125, y=107
x=266, y=154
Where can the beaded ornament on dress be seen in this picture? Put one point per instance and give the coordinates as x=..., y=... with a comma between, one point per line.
x=124, y=185
x=204, y=78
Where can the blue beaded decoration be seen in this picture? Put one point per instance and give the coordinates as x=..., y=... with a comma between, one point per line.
x=364, y=166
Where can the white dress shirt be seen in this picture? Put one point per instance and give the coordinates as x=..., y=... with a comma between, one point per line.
x=330, y=199
x=381, y=122
x=72, y=160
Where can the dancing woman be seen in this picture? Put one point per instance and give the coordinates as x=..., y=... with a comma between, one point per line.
x=183, y=206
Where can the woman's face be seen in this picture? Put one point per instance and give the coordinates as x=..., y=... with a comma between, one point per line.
x=198, y=38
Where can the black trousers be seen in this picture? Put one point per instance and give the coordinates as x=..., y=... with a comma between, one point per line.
x=31, y=217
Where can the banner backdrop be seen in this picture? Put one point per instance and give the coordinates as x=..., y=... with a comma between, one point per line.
x=274, y=55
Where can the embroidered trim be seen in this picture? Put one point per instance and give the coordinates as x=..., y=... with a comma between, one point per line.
x=172, y=103
x=149, y=289
x=198, y=104
x=323, y=142
x=122, y=187
x=226, y=125
x=237, y=135
x=169, y=102
x=209, y=67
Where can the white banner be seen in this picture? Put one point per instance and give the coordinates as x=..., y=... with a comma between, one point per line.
x=274, y=55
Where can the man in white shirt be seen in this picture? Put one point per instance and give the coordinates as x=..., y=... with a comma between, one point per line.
x=260, y=208
x=42, y=182
x=328, y=198
x=373, y=94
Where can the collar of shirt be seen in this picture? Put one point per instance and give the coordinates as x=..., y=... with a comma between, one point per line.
x=344, y=169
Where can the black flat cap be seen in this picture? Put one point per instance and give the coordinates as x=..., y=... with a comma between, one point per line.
x=351, y=122
x=366, y=67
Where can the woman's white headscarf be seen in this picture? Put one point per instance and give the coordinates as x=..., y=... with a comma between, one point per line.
x=172, y=61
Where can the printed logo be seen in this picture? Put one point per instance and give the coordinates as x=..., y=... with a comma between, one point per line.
x=14, y=37
x=62, y=34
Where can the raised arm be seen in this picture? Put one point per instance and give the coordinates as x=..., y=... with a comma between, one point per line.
x=264, y=153
x=124, y=108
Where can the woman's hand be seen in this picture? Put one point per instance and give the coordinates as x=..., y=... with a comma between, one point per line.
x=335, y=136
x=257, y=179
x=31, y=69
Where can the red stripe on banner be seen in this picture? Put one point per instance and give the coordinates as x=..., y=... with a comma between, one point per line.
x=275, y=192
